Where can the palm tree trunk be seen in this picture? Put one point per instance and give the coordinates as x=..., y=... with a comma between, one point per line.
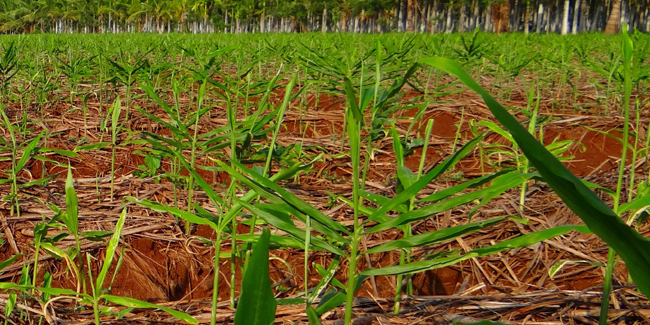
x=557, y=22
x=488, y=17
x=540, y=17
x=565, y=18
x=500, y=15
x=409, y=15
x=595, y=18
x=513, y=20
x=576, y=16
x=450, y=19
x=527, y=18
x=403, y=5
x=225, y=22
x=461, y=22
x=614, y=18
x=547, y=21
x=635, y=15
x=624, y=13
x=430, y=14
x=476, y=14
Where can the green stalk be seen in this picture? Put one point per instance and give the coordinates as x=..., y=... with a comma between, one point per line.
x=128, y=98
x=112, y=168
x=355, y=155
x=627, y=60
x=115, y=110
x=307, y=243
x=426, y=88
x=101, y=85
x=369, y=148
x=14, y=177
x=82, y=276
x=427, y=136
x=233, y=244
x=531, y=128
x=251, y=232
x=248, y=91
x=405, y=254
x=647, y=146
x=215, y=283
x=175, y=163
x=398, y=284
x=303, y=100
x=95, y=290
x=607, y=287
x=352, y=276
x=630, y=193
x=14, y=173
x=37, y=247
x=190, y=183
x=276, y=131
x=278, y=123
x=232, y=121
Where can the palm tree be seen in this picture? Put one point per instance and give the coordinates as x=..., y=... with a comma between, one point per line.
x=614, y=18
x=178, y=8
x=499, y=12
x=24, y=16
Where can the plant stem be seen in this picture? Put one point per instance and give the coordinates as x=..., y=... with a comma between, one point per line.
x=112, y=169
x=82, y=275
x=352, y=274
x=307, y=243
x=190, y=183
x=355, y=144
x=215, y=283
x=627, y=60
x=398, y=285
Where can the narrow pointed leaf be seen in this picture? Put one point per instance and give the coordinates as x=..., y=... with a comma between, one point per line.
x=288, y=197
x=257, y=304
x=285, y=224
x=412, y=190
x=434, y=236
x=134, y=303
x=521, y=241
x=28, y=152
x=440, y=195
x=633, y=248
x=110, y=250
x=187, y=216
x=352, y=99
x=502, y=184
x=8, y=261
x=72, y=208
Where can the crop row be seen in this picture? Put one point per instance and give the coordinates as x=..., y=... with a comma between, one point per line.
x=176, y=83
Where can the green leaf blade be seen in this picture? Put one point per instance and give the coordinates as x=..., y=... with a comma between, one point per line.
x=633, y=248
x=257, y=304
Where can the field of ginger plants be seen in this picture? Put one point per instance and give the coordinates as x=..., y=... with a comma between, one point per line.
x=338, y=178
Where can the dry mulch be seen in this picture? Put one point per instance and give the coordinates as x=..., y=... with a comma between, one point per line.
x=162, y=266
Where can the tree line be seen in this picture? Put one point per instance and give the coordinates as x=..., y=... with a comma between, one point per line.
x=296, y=16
